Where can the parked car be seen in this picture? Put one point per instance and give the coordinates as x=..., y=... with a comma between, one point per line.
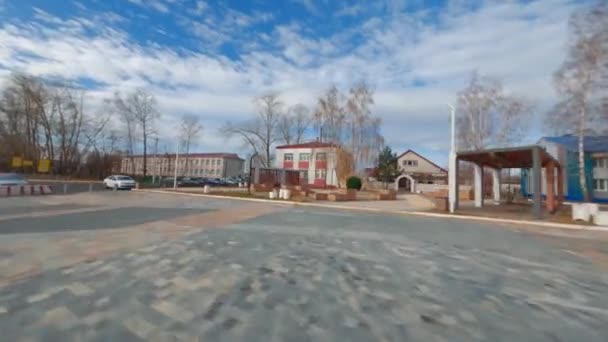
x=7, y=179
x=119, y=182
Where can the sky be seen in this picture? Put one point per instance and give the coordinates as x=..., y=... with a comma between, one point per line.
x=211, y=58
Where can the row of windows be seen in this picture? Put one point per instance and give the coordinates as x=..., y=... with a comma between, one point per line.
x=600, y=163
x=409, y=162
x=321, y=156
x=600, y=184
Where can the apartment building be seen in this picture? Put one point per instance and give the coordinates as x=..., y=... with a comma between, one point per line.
x=207, y=165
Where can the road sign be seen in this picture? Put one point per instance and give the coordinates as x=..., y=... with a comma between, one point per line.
x=44, y=166
x=17, y=162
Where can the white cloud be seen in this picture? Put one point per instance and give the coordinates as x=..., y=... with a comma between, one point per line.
x=309, y=5
x=415, y=64
x=350, y=11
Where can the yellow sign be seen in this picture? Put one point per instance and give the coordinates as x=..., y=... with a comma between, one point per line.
x=17, y=162
x=44, y=166
x=28, y=163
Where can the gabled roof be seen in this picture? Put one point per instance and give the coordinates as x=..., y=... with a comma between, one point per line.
x=430, y=162
x=591, y=143
x=311, y=144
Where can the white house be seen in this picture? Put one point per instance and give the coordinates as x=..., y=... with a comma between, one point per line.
x=315, y=160
x=420, y=170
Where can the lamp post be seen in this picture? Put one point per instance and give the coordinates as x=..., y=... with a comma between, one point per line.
x=453, y=163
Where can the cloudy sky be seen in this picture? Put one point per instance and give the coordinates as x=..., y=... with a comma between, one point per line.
x=210, y=58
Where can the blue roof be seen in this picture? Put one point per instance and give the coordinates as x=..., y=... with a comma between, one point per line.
x=592, y=143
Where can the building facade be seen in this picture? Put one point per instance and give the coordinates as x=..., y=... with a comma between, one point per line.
x=565, y=150
x=315, y=160
x=420, y=169
x=207, y=165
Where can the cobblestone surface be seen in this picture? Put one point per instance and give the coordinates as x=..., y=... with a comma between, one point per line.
x=316, y=275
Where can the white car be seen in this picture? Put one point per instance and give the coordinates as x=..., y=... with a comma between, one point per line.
x=119, y=182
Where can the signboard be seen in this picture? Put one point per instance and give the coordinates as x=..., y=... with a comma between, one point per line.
x=28, y=163
x=17, y=162
x=44, y=166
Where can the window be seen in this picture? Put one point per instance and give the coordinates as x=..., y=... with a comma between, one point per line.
x=207, y=162
x=320, y=174
x=219, y=162
x=321, y=156
x=304, y=156
x=600, y=163
x=288, y=157
x=600, y=184
x=212, y=162
x=409, y=162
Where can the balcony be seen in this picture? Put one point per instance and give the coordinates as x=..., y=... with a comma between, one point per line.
x=288, y=164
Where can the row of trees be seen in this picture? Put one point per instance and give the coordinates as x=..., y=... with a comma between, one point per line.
x=344, y=119
x=40, y=119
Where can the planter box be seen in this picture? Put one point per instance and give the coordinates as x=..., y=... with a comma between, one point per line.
x=584, y=211
x=320, y=197
x=337, y=197
x=601, y=218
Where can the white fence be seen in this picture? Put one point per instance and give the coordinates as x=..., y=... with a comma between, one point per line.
x=24, y=190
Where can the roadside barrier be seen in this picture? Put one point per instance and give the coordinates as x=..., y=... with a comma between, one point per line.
x=25, y=190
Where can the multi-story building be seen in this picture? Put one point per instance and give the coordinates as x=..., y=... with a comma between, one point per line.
x=565, y=150
x=208, y=165
x=315, y=160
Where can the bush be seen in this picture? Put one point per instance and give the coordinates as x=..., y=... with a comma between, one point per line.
x=353, y=182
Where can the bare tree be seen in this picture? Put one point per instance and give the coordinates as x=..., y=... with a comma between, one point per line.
x=581, y=80
x=348, y=122
x=488, y=116
x=293, y=125
x=139, y=108
x=261, y=133
x=190, y=128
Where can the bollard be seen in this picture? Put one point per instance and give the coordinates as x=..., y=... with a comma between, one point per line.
x=90, y=187
x=65, y=188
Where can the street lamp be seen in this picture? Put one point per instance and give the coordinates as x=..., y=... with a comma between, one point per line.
x=453, y=163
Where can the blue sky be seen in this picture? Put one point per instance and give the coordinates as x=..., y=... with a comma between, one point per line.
x=210, y=58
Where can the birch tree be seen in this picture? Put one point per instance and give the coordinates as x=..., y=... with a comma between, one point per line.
x=348, y=122
x=581, y=81
x=488, y=116
x=139, y=108
x=190, y=129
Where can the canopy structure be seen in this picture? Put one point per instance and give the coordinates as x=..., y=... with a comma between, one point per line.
x=534, y=157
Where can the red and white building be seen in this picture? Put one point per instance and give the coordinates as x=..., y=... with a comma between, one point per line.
x=315, y=160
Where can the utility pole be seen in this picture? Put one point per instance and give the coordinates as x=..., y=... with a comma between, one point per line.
x=176, y=164
x=453, y=163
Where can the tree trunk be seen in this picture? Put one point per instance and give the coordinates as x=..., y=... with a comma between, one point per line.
x=145, y=149
x=581, y=155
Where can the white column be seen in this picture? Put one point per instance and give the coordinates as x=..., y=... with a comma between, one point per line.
x=478, y=170
x=453, y=182
x=496, y=185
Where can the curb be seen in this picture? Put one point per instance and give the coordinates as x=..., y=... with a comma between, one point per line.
x=374, y=210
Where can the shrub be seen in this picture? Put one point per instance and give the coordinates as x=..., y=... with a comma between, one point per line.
x=353, y=182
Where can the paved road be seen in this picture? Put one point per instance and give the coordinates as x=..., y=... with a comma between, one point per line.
x=233, y=271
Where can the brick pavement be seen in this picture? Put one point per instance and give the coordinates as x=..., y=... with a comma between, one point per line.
x=263, y=273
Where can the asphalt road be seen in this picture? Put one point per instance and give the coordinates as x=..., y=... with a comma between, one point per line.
x=302, y=274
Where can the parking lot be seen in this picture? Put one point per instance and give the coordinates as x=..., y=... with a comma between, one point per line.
x=122, y=266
